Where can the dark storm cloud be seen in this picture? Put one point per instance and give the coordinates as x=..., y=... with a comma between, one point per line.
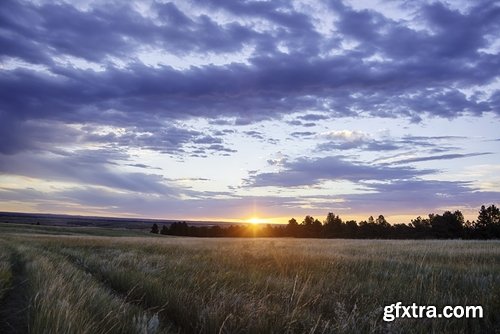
x=308, y=172
x=270, y=10
x=453, y=35
x=60, y=29
x=179, y=33
x=112, y=29
x=288, y=26
x=418, y=73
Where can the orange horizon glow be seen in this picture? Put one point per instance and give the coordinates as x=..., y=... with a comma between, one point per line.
x=469, y=214
x=391, y=218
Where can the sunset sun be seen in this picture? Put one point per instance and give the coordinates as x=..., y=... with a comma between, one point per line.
x=256, y=220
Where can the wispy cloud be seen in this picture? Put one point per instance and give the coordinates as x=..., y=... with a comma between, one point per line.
x=440, y=157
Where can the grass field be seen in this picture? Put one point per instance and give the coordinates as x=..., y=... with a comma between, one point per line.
x=76, y=280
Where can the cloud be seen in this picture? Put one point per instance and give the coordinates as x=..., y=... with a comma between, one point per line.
x=347, y=140
x=419, y=196
x=347, y=135
x=398, y=197
x=350, y=140
x=112, y=30
x=97, y=200
x=278, y=159
x=309, y=172
x=144, y=166
x=439, y=157
x=254, y=134
x=296, y=122
x=419, y=73
x=313, y=117
x=91, y=167
x=173, y=139
x=303, y=134
x=402, y=197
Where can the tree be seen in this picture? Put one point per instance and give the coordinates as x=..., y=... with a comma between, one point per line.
x=164, y=230
x=422, y=227
x=381, y=221
x=317, y=228
x=308, y=220
x=488, y=222
x=155, y=229
x=369, y=229
x=293, y=228
x=179, y=228
x=449, y=225
x=333, y=225
x=351, y=228
x=308, y=226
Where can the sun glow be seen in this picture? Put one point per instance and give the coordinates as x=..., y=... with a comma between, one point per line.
x=256, y=220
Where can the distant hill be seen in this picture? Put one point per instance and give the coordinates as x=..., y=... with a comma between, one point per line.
x=111, y=222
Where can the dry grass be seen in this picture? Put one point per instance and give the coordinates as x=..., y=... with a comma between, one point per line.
x=68, y=300
x=5, y=270
x=102, y=284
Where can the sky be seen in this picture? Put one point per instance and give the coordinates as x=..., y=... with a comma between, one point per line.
x=231, y=110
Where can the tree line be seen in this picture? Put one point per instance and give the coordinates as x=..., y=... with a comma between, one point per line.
x=449, y=225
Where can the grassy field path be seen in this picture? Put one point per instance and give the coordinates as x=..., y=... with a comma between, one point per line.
x=128, y=294
x=14, y=306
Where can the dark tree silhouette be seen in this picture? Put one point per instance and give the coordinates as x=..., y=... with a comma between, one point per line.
x=488, y=222
x=164, y=230
x=334, y=227
x=293, y=228
x=446, y=226
x=421, y=227
x=311, y=227
x=154, y=228
x=381, y=221
x=351, y=229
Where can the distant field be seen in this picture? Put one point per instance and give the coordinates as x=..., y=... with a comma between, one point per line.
x=10, y=228
x=91, y=280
